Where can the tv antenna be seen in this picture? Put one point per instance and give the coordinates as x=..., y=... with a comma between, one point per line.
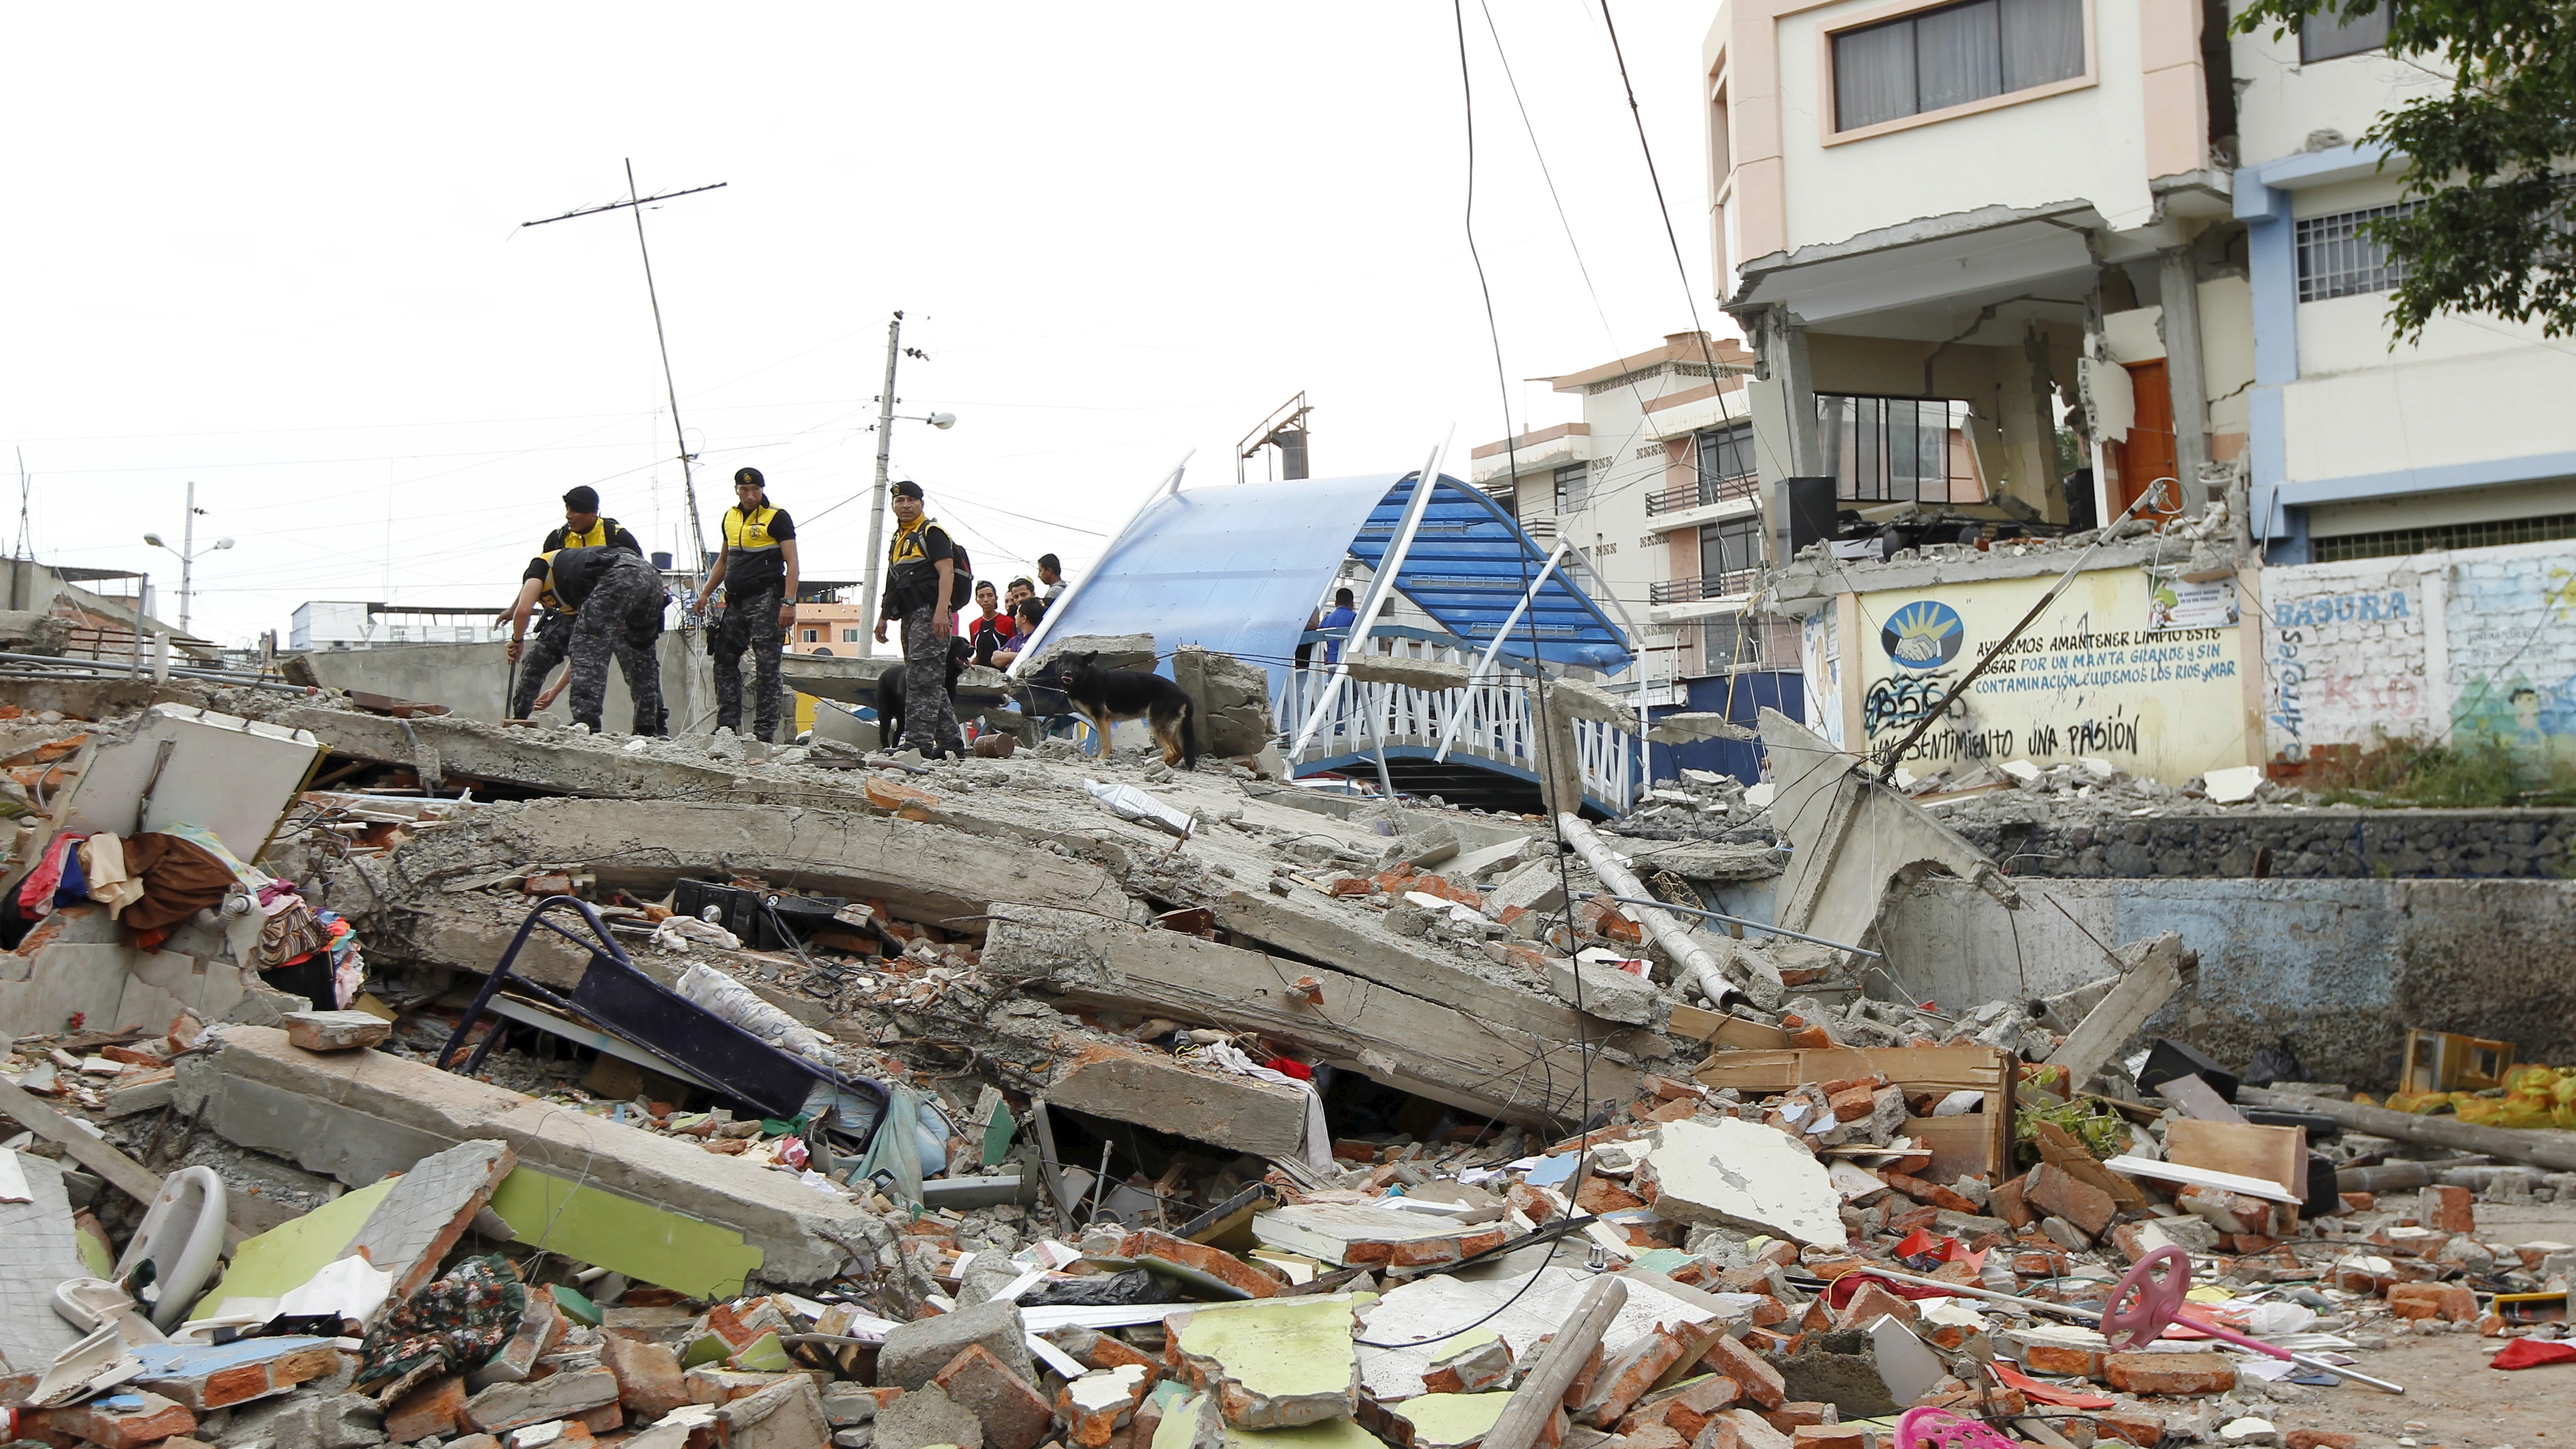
x=635, y=203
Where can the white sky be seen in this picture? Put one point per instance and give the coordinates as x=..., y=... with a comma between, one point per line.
x=277, y=251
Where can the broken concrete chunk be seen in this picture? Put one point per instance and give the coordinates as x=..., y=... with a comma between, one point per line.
x=336, y=1031
x=1609, y=993
x=205, y=1377
x=504, y=1407
x=1272, y=1365
x=1014, y=1414
x=926, y=1416
x=648, y=1375
x=1742, y=1174
x=915, y=1352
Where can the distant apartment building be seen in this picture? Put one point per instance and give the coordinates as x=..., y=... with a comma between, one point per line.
x=2113, y=221
x=1656, y=487
x=833, y=629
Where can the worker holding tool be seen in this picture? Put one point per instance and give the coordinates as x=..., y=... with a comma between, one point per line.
x=583, y=527
x=758, y=572
x=616, y=600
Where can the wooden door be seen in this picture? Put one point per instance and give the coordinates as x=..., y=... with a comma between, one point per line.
x=2147, y=454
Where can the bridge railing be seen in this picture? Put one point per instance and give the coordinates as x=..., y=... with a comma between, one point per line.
x=1499, y=726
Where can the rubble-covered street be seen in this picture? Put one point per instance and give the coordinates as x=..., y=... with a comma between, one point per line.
x=688, y=1093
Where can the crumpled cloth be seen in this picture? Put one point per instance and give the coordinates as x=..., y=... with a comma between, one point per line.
x=450, y=1325
x=55, y=871
x=1317, y=1145
x=102, y=859
x=288, y=937
x=2525, y=1353
x=180, y=878
x=739, y=1004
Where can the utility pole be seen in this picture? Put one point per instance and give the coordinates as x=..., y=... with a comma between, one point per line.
x=688, y=480
x=877, y=497
x=187, y=555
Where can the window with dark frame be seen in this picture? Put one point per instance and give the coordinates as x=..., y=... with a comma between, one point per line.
x=1952, y=55
x=1573, y=487
x=1729, y=553
x=1886, y=449
x=2331, y=36
x=1722, y=454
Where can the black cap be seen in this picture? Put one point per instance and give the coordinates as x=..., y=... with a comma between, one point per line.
x=584, y=499
x=906, y=489
x=752, y=477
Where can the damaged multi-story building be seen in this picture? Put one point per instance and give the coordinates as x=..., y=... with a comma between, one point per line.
x=2114, y=242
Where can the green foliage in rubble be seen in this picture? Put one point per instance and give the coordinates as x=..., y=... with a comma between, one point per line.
x=2488, y=219
x=2476, y=772
x=2104, y=1132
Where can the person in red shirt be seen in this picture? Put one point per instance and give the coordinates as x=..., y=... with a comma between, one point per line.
x=990, y=629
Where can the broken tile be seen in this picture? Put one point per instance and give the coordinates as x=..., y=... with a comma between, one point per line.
x=122, y=1420
x=1353, y=1235
x=648, y=1376
x=1445, y=1421
x=204, y=1377
x=1743, y=1174
x=1095, y=1406
x=1272, y=1365
x=1208, y=1269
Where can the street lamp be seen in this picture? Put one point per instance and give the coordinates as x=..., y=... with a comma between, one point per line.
x=188, y=553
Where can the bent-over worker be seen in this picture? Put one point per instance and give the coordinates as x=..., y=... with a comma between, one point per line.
x=583, y=527
x=617, y=602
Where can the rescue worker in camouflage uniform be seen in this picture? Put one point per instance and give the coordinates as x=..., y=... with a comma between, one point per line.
x=758, y=572
x=583, y=527
x=921, y=589
x=617, y=600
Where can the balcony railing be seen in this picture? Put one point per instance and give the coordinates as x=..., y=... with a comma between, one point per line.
x=1701, y=492
x=1728, y=585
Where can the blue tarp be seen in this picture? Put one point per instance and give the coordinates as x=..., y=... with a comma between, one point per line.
x=1238, y=570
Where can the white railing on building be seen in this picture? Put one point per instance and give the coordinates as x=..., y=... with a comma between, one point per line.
x=1497, y=726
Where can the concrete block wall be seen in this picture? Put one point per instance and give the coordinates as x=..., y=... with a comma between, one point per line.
x=2455, y=645
x=2341, y=968
x=2293, y=845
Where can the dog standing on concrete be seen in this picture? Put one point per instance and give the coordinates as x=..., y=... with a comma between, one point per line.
x=891, y=686
x=1104, y=696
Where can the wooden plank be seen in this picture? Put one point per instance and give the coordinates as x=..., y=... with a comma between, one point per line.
x=2057, y=1145
x=131, y=1177
x=1725, y=1030
x=2274, y=1154
x=1921, y=1069
x=1962, y=1146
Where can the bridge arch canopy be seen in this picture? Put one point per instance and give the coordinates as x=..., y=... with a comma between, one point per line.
x=1238, y=569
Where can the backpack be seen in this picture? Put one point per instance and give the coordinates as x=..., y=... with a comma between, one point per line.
x=961, y=577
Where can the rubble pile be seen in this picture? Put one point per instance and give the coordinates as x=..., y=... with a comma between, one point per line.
x=695, y=1093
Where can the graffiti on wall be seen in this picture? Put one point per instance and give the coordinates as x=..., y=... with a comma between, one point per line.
x=2166, y=702
x=2474, y=644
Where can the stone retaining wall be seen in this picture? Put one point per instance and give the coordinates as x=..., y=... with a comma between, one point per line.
x=2293, y=845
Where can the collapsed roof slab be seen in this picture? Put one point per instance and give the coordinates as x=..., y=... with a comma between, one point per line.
x=357, y=1116
x=1444, y=1048
x=922, y=871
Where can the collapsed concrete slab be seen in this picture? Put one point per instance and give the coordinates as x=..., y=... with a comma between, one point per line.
x=1443, y=1049
x=1857, y=843
x=1204, y=1104
x=358, y=1116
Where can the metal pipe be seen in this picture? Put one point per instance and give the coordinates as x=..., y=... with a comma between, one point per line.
x=1449, y=731
x=1741, y=921
x=2087, y=1315
x=1689, y=957
x=1381, y=587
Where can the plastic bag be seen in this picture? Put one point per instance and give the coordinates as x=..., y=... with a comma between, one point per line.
x=1129, y=803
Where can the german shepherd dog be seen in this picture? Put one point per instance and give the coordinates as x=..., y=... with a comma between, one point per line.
x=892, y=684
x=1105, y=696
